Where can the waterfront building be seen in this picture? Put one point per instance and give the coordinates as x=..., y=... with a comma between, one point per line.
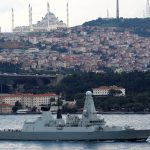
x=29, y=100
x=104, y=90
x=5, y=108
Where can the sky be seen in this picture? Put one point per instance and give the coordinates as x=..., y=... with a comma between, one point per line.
x=80, y=11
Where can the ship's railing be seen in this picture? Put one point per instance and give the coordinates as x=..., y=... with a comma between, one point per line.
x=59, y=128
x=10, y=130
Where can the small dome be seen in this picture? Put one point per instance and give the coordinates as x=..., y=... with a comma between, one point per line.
x=89, y=93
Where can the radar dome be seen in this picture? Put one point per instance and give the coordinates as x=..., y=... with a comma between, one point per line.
x=89, y=93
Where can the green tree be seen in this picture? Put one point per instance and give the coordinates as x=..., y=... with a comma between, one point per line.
x=114, y=92
x=17, y=106
x=34, y=109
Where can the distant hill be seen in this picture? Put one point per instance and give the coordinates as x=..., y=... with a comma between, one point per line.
x=139, y=26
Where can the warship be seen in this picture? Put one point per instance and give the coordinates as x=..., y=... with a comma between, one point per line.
x=88, y=127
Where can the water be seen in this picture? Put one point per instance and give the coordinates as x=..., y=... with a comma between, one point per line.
x=137, y=121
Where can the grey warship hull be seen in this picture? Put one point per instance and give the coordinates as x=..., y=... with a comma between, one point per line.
x=126, y=135
x=89, y=127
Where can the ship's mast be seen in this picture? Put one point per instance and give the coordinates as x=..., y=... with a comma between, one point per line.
x=59, y=112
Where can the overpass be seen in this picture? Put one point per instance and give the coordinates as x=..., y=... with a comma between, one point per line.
x=54, y=79
x=14, y=75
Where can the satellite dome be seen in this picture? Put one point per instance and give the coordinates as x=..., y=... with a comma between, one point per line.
x=89, y=93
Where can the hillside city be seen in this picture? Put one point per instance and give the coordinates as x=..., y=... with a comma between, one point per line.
x=84, y=48
x=75, y=71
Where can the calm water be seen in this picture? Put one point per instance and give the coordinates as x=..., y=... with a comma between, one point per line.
x=137, y=121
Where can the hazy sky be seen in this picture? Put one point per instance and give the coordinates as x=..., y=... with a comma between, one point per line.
x=80, y=10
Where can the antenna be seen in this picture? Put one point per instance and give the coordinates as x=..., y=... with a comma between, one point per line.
x=59, y=113
x=117, y=10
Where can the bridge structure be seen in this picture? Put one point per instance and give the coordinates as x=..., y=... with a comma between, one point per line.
x=28, y=76
x=21, y=79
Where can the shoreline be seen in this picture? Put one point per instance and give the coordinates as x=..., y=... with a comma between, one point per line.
x=103, y=113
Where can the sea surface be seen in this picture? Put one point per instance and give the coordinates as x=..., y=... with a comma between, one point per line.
x=16, y=122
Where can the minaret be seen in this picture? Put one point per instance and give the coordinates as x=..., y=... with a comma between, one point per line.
x=48, y=11
x=67, y=15
x=117, y=10
x=29, y=16
x=107, y=14
x=31, y=19
x=12, y=19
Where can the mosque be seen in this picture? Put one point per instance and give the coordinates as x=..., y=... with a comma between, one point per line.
x=49, y=22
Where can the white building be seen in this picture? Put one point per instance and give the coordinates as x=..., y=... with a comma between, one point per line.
x=33, y=50
x=48, y=23
x=104, y=90
x=28, y=100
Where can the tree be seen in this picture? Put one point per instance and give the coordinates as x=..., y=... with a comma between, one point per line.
x=17, y=106
x=138, y=107
x=52, y=100
x=34, y=109
x=114, y=92
x=67, y=109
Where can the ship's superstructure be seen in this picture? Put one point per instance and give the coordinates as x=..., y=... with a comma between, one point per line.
x=73, y=123
x=88, y=127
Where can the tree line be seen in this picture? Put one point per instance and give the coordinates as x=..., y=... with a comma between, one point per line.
x=6, y=67
x=137, y=85
x=139, y=26
x=74, y=86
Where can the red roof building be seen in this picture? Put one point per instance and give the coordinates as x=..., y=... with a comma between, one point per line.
x=29, y=100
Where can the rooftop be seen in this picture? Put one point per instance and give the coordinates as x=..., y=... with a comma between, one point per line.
x=108, y=88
